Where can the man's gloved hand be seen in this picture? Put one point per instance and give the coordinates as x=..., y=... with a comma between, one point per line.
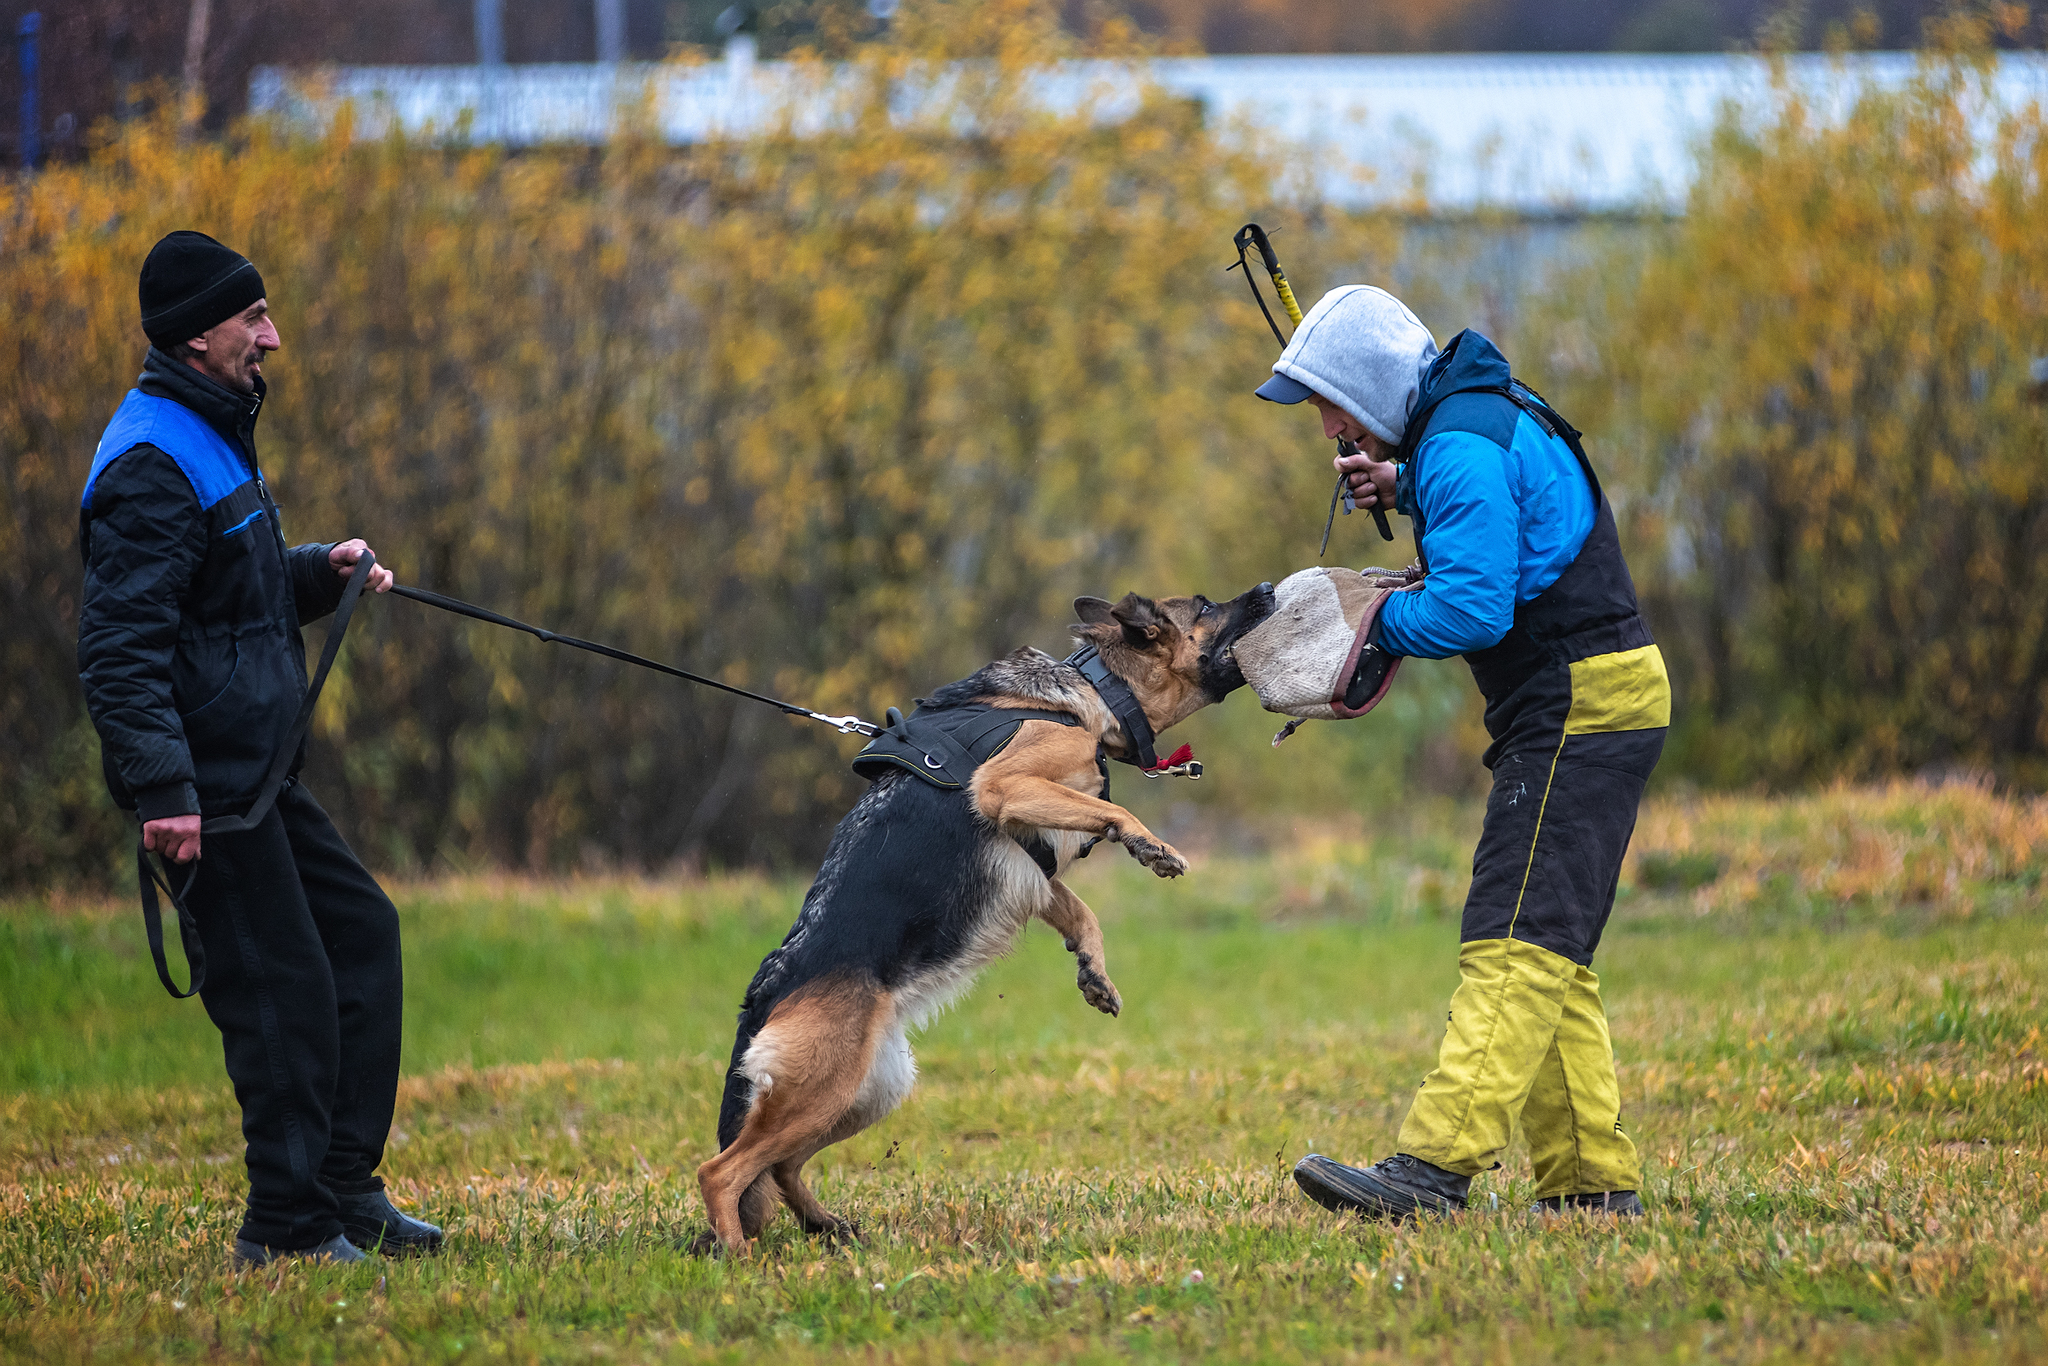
x=1394, y=578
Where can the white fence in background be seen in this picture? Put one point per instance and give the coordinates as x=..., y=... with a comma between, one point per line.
x=1527, y=133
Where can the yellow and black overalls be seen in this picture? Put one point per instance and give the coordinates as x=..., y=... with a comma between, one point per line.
x=1577, y=703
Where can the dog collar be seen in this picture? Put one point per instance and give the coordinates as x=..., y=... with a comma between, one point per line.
x=1121, y=701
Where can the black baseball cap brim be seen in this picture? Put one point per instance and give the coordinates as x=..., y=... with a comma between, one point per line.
x=1283, y=389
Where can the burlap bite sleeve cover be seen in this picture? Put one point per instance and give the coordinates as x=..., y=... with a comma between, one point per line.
x=1300, y=658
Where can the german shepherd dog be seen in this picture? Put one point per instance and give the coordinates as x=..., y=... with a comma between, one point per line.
x=921, y=887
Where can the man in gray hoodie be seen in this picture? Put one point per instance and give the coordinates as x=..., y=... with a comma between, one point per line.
x=1524, y=576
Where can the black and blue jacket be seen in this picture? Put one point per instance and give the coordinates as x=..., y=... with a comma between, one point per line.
x=1575, y=657
x=1500, y=507
x=188, y=632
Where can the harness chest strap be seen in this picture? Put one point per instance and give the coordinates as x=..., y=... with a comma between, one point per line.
x=945, y=745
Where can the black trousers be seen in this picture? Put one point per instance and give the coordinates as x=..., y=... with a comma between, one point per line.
x=1558, y=821
x=303, y=982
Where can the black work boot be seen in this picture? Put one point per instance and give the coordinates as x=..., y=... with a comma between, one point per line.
x=1622, y=1203
x=373, y=1223
x=336, y=1249
x=1396, y=1188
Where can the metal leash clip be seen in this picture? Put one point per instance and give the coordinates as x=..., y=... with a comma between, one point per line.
x=848, y=725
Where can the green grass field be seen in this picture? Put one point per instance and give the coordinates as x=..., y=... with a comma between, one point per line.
x=1836, y=1074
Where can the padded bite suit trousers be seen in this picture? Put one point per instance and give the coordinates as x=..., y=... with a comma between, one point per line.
x=1526, y=1042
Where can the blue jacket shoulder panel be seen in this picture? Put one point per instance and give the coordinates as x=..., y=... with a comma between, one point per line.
x=1481, y=414
x=1503, y=508
x=213, y=466
x=1465, y=489
x=189, y=651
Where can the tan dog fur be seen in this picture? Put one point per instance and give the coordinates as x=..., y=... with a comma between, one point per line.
x=818, y=1059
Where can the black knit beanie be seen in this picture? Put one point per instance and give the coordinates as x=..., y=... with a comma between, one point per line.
x=190, y=283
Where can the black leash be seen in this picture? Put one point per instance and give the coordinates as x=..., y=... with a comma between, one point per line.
x=846, y=725
x=280, y=766
x=273, y=783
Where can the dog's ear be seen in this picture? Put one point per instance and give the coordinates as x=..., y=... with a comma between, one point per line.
x=1094, y=612
x=1141, y=620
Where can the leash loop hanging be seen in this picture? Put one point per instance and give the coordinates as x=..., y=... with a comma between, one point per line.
x=274, y=782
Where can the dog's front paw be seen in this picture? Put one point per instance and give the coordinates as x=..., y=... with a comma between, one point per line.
x=1099, y=991
x=1160, y=857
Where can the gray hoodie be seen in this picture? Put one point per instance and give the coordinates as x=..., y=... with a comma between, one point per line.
x=1363, y=350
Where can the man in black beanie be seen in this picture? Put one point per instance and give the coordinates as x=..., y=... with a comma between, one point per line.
x=194, y=670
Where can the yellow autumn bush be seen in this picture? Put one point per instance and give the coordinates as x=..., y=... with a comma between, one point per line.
x=1833, y=472
x=837, y=416
x=841, y=415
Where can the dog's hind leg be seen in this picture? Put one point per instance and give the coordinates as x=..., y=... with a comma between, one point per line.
x=807, y=1065
x=891, y=1074
x=1068, y=914
x=809, y=1210
x=757, y=1206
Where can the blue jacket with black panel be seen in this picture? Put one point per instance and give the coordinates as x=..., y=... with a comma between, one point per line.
x=1526, y=576
x=1500, y=505
x=188, y=632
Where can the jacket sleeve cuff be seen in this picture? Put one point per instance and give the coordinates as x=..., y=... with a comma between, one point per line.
x=170, y=799
x=316, y=587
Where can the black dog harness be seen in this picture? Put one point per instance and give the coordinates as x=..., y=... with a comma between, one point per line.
x=945, y=745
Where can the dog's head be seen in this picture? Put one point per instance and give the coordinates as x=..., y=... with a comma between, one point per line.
x=1174, y=652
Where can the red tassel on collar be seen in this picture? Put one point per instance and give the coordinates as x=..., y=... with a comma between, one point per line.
x=1174, y=760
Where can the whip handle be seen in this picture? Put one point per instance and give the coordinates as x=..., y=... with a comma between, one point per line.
x=1287, y=298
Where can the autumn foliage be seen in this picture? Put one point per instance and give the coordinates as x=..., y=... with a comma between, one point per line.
x=841, y=415
x=838, y=417
x=1833, y=460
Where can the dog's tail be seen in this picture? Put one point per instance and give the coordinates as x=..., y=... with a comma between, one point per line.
x=739, y=1089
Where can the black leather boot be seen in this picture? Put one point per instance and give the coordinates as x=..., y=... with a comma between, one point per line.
x=373, y=1223
x=336, y=1249
x=1395, y=1188
x=1626, y=1204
